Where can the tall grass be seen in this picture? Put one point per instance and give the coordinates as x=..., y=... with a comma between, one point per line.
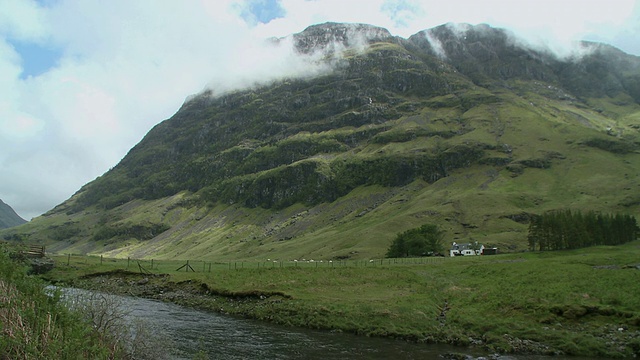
x=36, y=323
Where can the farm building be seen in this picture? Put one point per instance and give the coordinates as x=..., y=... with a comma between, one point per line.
x=466, y=249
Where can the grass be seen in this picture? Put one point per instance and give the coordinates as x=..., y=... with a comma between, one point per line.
x=580, y=302
x=37, y=325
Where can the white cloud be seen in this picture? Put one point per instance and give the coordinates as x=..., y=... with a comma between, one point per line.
x=403, y=12
x=22, y=20
x=127, y=65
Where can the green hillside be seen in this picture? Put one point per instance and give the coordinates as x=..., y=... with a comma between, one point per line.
x=455, y=126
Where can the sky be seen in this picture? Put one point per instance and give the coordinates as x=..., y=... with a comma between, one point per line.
x=82, y=81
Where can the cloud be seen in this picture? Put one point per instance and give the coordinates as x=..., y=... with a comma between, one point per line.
x=403, y=12
x=259, y=61
x=123, y=66
x=22, y=20
x=123, y=69
x=554, y=25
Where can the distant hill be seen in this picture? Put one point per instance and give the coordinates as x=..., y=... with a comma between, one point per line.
x=8, y=217
x=460, y=126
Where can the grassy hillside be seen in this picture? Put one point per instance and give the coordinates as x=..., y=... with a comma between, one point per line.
x=395, y=137
x=533, y=159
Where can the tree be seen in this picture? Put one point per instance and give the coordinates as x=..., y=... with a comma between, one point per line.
x=422, y=241
x=558, y=230
x=535, y=235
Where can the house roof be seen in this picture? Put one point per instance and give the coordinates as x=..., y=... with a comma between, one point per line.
x=466, y=246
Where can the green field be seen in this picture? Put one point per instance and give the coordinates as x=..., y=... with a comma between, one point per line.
x=580, y=302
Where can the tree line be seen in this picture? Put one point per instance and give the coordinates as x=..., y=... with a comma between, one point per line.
x=566, y=229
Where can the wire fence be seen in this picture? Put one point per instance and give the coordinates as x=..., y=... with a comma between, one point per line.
x=100, y=263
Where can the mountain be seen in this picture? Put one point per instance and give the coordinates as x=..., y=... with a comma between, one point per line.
x=8, y=217
x=461, y=126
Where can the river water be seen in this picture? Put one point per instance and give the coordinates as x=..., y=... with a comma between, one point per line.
x=225, y=337
x=188, y=333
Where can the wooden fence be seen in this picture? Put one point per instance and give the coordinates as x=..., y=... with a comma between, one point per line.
x=34, y=251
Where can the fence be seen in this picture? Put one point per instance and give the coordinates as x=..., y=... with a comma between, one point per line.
x=34, y=251
x=26, y=250
x=171, y=266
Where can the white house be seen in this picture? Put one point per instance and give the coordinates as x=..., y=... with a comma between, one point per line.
x=466, y=249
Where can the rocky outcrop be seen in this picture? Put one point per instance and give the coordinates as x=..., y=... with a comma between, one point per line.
x=41, y=265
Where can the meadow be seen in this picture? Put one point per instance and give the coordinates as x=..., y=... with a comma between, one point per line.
x=576, y=302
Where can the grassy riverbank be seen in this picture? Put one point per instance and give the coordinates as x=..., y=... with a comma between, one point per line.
x=37, y=325
x=580, y=302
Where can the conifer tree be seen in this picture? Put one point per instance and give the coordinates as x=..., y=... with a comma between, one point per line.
x=566, y=229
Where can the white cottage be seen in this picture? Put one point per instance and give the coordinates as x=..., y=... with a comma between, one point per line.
x=466, y=249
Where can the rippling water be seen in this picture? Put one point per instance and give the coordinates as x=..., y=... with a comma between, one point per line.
x=187, y=332
x=225, y=337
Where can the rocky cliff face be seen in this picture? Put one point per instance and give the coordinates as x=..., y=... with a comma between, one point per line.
x=457, y=112
x=335, y=36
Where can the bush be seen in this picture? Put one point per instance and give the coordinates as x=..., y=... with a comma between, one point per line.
x=423, y=241
x=615, y=146
x=111, y=322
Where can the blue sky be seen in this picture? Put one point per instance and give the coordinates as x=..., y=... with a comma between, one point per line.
x=82, y=81
x=261, y=11
x=36, y=58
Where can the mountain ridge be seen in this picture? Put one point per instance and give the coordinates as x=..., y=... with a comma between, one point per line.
x=456, y=125
x=8, y=217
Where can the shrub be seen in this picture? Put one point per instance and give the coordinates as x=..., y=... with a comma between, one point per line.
x=422, y=241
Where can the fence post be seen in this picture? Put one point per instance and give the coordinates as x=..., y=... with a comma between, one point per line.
x=128, y=260
x=68, y=259
x=100, y=259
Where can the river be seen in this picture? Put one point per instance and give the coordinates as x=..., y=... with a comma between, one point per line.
x=188, y=333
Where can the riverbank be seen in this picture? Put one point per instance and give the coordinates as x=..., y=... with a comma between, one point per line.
x=36, y=325
x=584, y=302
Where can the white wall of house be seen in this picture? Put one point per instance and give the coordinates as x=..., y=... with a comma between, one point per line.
x=464, y=250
